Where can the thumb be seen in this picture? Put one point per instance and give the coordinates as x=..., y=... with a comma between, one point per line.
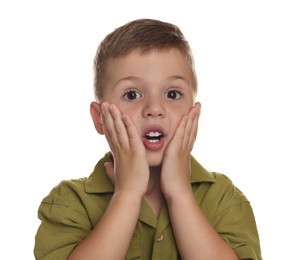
x=110, y=171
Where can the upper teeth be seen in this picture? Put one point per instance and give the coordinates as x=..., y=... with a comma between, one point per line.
x=154, y=134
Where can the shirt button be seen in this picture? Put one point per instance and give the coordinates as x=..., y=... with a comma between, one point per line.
x=160, y=238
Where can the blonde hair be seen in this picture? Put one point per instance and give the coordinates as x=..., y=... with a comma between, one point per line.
x=143, y=34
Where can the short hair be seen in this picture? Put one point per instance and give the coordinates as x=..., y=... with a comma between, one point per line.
x=145, y=35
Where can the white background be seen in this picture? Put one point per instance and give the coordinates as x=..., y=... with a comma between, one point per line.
x=247, y=63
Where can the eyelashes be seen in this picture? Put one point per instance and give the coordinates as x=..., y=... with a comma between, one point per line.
x=132, y=94
x=173, y=94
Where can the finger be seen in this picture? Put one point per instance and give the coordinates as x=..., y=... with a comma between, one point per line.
x=133, y=136
x=119, y=126
x=114, y=128
x=178, y=138
x=186, y=129
x=192, y=128
x=193, y=133
x=106, y=122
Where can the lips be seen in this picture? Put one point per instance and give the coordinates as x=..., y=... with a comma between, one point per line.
x=153, y=138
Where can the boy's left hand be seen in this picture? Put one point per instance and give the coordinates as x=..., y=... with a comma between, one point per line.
x=176, y=169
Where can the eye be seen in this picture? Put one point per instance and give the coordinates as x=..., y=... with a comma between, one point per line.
x=131, y=95
x=174, y=94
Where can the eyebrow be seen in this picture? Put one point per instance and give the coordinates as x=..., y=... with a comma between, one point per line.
x=177, y=77
x=134, y=78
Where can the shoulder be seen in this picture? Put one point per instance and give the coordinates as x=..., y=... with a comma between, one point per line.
x=61, y=212
x=214, y=184
x=68, y=191
x=224, y=184
x=215, y=192
x=222, y=193
x=66, y=195
x=65, y=187
x=73, y=185
x=79, y=197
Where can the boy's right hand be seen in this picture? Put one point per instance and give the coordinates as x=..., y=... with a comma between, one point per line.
x=130, y=171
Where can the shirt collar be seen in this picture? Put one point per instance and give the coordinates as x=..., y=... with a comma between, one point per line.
x=199, y=173
x=99, y=182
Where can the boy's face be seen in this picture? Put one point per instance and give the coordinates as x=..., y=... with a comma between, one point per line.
x=155, y=90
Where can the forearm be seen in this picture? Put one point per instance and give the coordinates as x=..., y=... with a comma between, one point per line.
x=111, y=236
x=195, y=237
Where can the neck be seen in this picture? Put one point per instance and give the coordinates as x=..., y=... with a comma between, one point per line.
x=154, y=195
x=154, y=181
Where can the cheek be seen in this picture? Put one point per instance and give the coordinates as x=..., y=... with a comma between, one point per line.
x=134, y=114
x=180, y=111
x=178, y=114
x=125, y=109
x=175, y=121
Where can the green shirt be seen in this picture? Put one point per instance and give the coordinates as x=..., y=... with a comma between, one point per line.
x=72, y=209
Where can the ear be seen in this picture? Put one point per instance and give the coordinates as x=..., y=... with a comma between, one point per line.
x=96, y=114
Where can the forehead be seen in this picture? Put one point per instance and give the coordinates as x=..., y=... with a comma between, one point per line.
x=150, y=65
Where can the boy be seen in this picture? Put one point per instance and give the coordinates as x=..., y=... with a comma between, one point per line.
x=148, y=198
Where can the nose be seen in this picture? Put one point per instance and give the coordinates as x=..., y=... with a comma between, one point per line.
x=154, y=108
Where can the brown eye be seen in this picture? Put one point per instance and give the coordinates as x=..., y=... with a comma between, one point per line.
x=131, y=95
x=173, y=94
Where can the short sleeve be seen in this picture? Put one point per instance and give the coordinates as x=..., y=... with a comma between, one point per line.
x=62, y=225
x=237, y=226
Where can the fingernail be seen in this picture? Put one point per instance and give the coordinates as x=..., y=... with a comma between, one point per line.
x=198, y=105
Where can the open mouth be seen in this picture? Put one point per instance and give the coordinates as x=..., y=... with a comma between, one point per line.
x=154, y=136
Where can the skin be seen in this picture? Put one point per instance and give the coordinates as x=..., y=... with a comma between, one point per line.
x=146, y=92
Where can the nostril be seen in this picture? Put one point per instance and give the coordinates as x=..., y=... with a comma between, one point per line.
x=154, y=111
x=150, y=114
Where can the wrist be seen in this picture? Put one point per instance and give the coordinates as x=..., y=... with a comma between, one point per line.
x=181, y=196
x=127, y=196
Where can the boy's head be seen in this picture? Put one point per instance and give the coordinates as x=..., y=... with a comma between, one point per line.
x=144, y=35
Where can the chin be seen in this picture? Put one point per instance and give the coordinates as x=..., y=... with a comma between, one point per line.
x=154, y=165
x=154, y=161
